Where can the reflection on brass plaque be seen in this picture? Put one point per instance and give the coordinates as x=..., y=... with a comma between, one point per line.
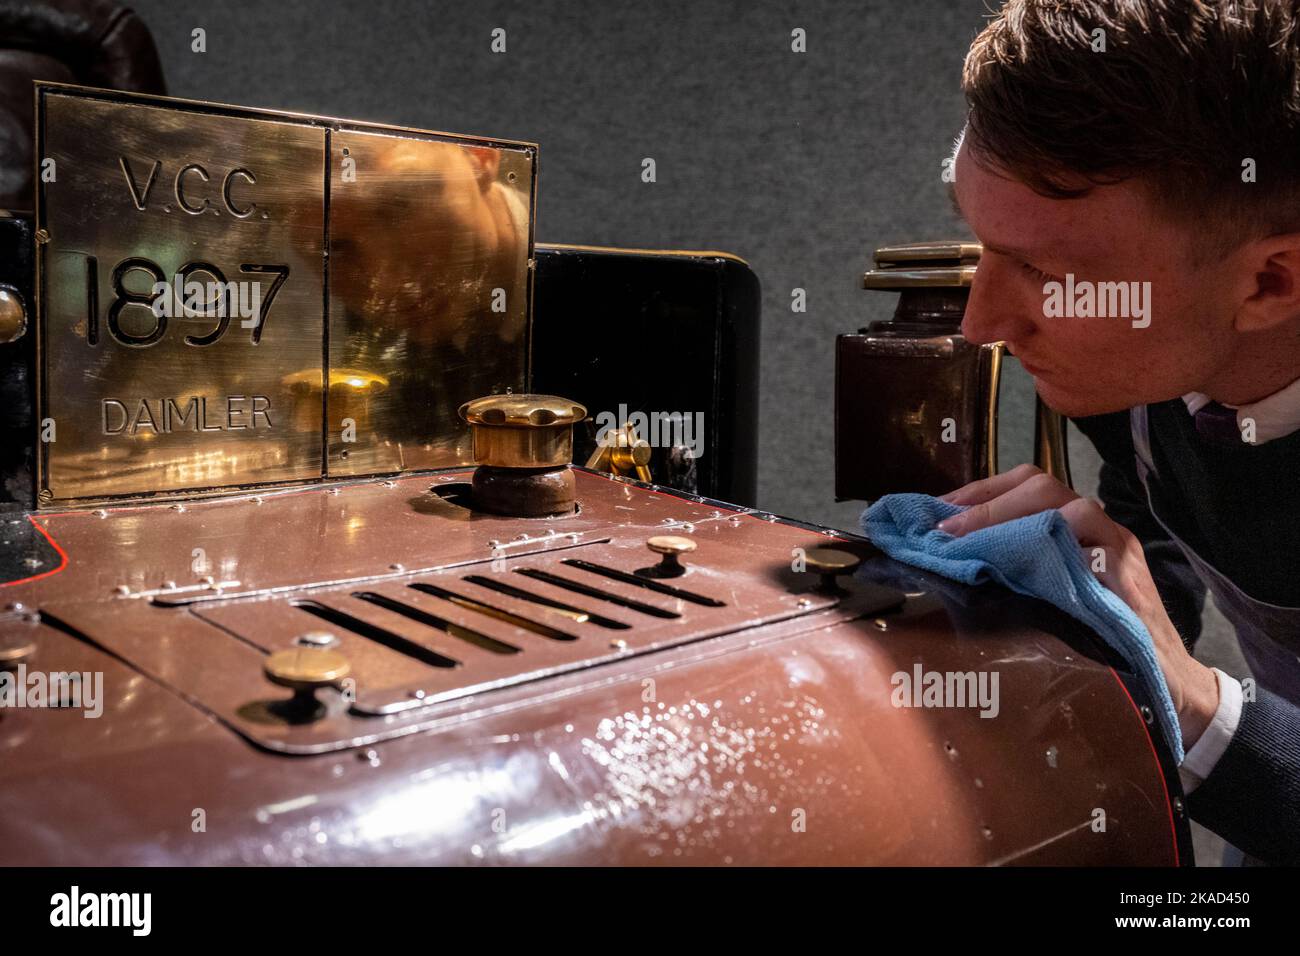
x=226, y=294
x=437, y=307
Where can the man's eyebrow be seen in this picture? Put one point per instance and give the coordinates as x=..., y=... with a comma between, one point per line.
x=1010, y=251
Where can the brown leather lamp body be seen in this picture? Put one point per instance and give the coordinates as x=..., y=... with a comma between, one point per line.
x=916, y=404
x=523, y=445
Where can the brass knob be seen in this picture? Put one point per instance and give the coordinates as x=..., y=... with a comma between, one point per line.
x=13, y=315
x=830, y=562
x=522, y=431
x=302, y=668
x=671, y=547
x=14, y=651
x=305, y=670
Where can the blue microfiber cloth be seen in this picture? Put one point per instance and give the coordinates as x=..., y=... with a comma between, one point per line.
x=1036, y=555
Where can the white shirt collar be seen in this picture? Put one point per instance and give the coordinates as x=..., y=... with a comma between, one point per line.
x=1275, y=416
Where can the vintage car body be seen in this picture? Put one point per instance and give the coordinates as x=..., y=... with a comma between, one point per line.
x=761, y=731
x=518, y=689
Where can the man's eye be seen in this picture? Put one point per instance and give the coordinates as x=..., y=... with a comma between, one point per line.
x=1038, y=274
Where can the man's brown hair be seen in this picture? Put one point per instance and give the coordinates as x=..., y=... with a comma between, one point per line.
x=1183, y=94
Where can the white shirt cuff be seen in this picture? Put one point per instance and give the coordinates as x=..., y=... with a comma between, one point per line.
x=1200, y=761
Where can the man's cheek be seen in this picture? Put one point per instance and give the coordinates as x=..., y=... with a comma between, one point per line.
x=1081, y=337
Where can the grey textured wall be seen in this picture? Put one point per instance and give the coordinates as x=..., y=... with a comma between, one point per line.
x=801, y=163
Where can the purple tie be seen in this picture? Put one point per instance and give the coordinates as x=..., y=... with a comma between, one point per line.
x=1217, y=425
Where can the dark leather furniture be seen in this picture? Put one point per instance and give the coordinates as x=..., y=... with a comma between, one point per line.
x=91, y=42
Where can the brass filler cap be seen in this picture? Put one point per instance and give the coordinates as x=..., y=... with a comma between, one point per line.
x=522, y=431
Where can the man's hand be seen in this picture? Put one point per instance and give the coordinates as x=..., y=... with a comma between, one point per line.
x=1026, y=490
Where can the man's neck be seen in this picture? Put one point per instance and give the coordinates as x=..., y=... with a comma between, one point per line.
x=1262, y=363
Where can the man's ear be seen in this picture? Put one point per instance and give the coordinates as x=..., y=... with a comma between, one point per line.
x=1271, y=283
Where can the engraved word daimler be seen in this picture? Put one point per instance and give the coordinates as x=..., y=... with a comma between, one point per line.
x=163, y=416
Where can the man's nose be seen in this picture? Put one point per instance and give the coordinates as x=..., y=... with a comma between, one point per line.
x=995, y=309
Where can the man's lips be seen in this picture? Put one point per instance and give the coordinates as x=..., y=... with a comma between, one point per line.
x=1033, y=368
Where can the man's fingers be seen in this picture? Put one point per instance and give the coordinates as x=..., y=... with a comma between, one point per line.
x=1107, y=549
x=1091, y=526
x=1101, y=560
x=986, y=489
x=1037, y=493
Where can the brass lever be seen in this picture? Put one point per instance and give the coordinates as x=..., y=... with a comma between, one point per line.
x=1051, y=444
x=621, y=452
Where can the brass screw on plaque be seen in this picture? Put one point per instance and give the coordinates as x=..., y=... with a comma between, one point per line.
x=829, y=563
x=671, y=547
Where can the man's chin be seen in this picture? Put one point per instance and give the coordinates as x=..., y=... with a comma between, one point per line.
x=1081, y=404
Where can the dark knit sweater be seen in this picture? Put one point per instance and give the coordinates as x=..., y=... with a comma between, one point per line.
x=1252, y=798
x=1239, y=509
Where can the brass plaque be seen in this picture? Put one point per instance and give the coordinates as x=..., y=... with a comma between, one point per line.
x=204, y=271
